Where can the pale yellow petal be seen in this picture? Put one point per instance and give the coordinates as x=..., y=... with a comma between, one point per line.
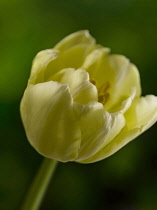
x=98, y=67
x=82, y=90
x=114, y=72
x=141, y=116
x=98, y=128
x=71, y=58
x=127, y=78
x=50, y=121
x=77, y=38
x=125, y=103
x=40, y=64
x=75, y=56
x=143, y=112
x=69, y=53
x=127, y=75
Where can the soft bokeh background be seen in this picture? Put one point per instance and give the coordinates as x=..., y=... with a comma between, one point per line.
x=128, y=179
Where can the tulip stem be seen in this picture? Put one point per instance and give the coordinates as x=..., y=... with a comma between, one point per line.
x=39, y=185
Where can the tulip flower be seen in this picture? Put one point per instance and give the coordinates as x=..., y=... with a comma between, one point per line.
x=82, y=103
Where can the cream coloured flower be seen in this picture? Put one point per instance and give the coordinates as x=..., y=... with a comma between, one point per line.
x=82, y=103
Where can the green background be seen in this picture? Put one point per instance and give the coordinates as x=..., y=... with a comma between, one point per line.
x=124, y=181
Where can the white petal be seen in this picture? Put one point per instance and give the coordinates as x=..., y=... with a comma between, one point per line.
x=50, y=121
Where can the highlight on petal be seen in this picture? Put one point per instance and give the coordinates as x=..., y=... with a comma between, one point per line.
x=98, y=128
x=82, y=90
x=50, y=121
x=141, y=116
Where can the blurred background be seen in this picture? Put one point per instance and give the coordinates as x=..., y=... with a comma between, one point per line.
x=124, y=181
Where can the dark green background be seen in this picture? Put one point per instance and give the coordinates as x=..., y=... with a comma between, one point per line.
x=124, y=181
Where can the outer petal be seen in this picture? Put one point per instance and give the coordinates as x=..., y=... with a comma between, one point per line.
x=98, y=128
x=50, y=121
x=143, y=113
x=141, y=116
x=82, y=90
x=40, y=64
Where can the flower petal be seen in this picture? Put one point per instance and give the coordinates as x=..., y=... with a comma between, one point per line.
x=69, y=53
x=41, y=62
x=116, y=71
x=98, y=128
x=141, y=116
x=96, y=64
x=82, y=90
x=143, y=113
x=75, y=56
x=127, y=78
x=75, y=47
x=125, y=103
x=50, y=121
x=77, y=38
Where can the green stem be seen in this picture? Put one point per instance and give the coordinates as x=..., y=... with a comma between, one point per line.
x=39, y=185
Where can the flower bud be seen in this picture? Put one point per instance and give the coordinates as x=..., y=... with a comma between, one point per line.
x=82, y=103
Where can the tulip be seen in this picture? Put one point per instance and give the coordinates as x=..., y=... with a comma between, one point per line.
x=82, y=103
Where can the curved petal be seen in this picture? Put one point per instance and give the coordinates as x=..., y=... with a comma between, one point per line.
x=127, y=78
x=141, y=116
x=71, y=58
x=117, y=72
x=77, y=38
x=98, y=128
x=82, y=90
x=75, y=56
x=41, y=62
x=143, y=113
x=69, y=53
x=125, y=103
x=50, y=121
x=96, y=64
